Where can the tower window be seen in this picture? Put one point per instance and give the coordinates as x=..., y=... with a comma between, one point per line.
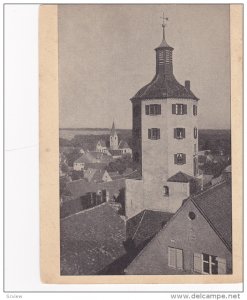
x=179, y=133
x=153, y=109
x=161, y=57
x=195, y=133
x=179, y=109
x=165, y=190
x=179, y=158
x=195, y=110
x=154, y=134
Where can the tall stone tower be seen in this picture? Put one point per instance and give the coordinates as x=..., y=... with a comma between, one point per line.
x=113, y=138
x=165, y=135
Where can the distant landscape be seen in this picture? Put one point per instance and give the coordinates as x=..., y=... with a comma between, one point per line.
x=209, y=139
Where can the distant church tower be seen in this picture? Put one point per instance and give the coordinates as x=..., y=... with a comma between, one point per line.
x=113, y=138
x=165, y=135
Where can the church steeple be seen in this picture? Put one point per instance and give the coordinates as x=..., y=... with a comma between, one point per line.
x=164, y=55
x=113, y=138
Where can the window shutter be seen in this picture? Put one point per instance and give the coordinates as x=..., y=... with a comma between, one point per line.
x=147, y=109
x=171, y=257
x=180, y=259
x=175, y=159
x=221, y=265
x=184, y=158
x=183, y=133
x=175, y=133
x=195, y=132
x=158, y=134
x=184, y=109
x=174, y=109
x=158, y=109
x=198, y=262
x=149, y=133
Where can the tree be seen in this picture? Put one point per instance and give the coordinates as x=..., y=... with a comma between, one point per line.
x=73, y=156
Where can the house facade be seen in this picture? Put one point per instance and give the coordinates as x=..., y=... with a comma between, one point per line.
x=197, y=239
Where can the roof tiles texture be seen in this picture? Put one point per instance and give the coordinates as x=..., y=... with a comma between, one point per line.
x=91, y=240
x=216, y=206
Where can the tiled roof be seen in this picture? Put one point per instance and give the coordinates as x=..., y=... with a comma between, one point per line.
x=78, y=188
x=94, y=175
x=164, y=44
x=162, y=87
x=180, y=177
x=216, y=206
x=142, y=227
x=91, y=240
x=123, y=145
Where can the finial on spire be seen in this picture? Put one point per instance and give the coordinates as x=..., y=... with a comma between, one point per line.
x=164, y=24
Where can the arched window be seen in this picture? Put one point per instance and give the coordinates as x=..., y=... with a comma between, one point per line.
x=166, y=190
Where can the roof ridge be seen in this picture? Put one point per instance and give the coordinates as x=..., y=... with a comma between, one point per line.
x=139, y=225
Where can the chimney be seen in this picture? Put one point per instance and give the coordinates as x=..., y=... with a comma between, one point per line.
x=187, y=85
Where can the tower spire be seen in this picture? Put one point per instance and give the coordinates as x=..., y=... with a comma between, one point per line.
x=163, y=24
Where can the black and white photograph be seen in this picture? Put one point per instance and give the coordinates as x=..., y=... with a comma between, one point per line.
x=145, y=172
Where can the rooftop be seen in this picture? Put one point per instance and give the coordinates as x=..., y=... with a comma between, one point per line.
x=91, y=240
x=142, y=227
x=180, y=177
x=215, y=204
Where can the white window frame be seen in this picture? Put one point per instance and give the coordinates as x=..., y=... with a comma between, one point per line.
x=210, y=262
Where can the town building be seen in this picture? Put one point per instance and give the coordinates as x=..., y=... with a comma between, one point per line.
x=197, y=239
x=101, y=146
x=92, y=159
x=96, y=175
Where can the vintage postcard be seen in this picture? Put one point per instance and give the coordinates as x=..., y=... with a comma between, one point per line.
x=141, y=143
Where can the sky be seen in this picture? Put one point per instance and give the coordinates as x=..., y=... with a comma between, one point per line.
x=106, y=54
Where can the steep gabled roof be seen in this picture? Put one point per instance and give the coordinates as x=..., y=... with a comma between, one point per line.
x=94, y=175
x=215, y=204
x=180, y=177
x=145, y=225
x=123, y=145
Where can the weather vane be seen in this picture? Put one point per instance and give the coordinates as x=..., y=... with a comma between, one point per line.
x=164, y=24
